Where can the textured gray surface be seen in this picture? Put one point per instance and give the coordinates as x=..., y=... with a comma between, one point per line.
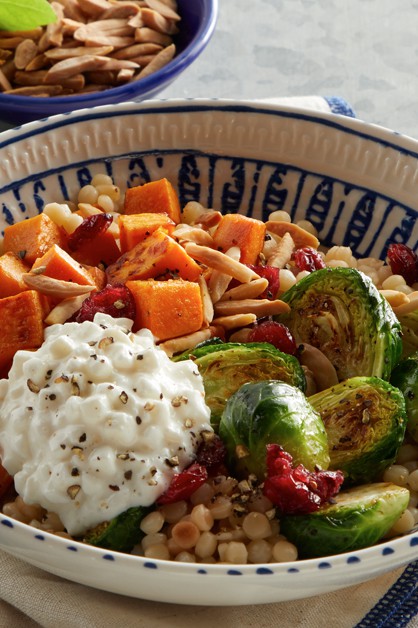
x=364, y=51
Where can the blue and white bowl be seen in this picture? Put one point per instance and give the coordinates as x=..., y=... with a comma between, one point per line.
x=357, y=183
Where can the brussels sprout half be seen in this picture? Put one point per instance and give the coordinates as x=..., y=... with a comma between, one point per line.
x=365, y=421
x=121, y=533
x=271, y=412
x=341, y=312
x=405, y=377
x=359, y=517
x=225, y=367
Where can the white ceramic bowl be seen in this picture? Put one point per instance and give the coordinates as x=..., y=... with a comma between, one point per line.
x=356, y=182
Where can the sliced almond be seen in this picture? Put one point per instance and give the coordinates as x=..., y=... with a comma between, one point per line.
x=57, y=54
x=95, y=8
x=188, y=233
x=259, y=307
x=235, y=321
x=10, y=43
x=158, y=22
x=5, y=84
x=300, y=236
x=69, y=67
x=38, y=90
x=55, y=287
x=136, y=50
x=72, y=10
x=249, y=290
x=220, y=261
x=219, y=281
x=321, y=368
x=159, y=61
x=206, y=301
x=177, y=345
x=75, y=82
x=34, y=33
x=25, y=52
x=122, y=10
x=38, y=63
x=64, y=310
x=281, y=254
x=163, y=9
x=149, y=35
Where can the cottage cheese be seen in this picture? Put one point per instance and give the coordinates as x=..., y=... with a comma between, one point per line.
x=98, y=420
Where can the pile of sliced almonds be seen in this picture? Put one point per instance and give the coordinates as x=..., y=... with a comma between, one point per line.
x=93, y=45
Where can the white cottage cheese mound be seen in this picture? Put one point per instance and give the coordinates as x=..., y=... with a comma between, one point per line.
x=98, y=420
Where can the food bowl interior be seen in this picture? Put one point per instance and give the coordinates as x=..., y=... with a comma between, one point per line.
x=357, y=184
x=197, y=27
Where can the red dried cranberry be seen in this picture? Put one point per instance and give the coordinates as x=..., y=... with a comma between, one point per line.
x=308, y=258
x=116, y=301
x=184, y=484
x=276, y=334
x=90, y=228
x=403, y=261
x=271, y=273
x=295, y=490
x=211, y=453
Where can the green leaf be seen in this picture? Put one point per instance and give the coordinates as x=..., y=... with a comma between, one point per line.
x=21, y=15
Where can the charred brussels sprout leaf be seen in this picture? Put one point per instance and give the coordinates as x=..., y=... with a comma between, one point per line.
x=405, y=377
x=225, y=367
x=121, y=533
x=339, y=311
x=358, y=517
x=365, y=421
x=271, y=412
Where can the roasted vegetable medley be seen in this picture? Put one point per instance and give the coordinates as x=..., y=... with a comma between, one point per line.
x=307, y=359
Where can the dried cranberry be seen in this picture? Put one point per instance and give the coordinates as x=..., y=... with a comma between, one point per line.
x=211, y=453
x=308, y=258
x=403, y=261
x=116, y=301
x=90, y=228
x=295, y=490
x=276, y=334
x=184, y=484
x=271, y=273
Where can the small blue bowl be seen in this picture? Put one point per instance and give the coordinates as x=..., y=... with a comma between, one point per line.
x=198, y=20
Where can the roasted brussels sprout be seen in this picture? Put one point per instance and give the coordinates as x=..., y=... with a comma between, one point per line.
x=121, y=533
x=357, y=518
x=365, y=421
x=271, y=412
x=405, y=377
x=225, y=367
x=339, y=311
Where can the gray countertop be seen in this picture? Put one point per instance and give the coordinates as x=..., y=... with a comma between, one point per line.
x=364, y=51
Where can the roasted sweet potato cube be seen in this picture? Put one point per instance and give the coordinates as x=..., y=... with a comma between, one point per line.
x=157, y=255
x=21, y=324
x=134, y=228
x=58, y=264
x=169, y=308
x=246, y=233
x=154, y=197
x=33, y=237
x=11, y=270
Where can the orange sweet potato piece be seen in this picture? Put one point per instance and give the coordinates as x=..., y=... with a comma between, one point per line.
x=246, y=233
x=33, y=237
x=11, y=270
x=168, y=308
x=58, y=264
x=154, y=197
x=102, y=249
x=134, y=228
x=21, y=324
x=157, y=255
